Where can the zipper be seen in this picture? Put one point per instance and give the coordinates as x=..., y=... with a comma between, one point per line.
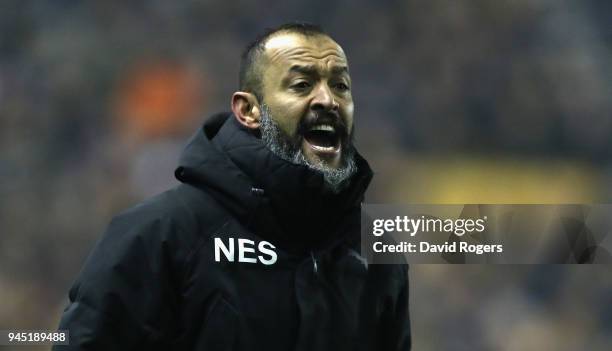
x=315, y=267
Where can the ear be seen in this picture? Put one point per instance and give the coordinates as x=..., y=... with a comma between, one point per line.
x=246, y=109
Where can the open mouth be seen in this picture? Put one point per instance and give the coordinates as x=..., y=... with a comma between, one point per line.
x=323, y=138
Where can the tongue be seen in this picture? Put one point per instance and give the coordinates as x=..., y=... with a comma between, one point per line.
x=321, y=138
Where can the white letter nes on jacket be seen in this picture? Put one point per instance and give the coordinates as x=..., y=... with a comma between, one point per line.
x=246, y=251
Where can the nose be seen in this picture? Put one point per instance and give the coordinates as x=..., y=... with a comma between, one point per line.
x=323, y=99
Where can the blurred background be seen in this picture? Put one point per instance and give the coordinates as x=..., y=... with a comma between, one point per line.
x=456, y=102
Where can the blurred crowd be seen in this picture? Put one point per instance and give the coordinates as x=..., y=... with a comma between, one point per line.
x=456, y=102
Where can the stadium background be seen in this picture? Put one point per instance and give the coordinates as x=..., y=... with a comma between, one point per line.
x=456, y=102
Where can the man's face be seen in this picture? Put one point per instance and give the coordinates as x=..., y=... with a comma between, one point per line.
x=307, y=92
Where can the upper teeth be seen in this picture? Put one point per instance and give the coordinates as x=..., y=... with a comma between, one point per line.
x=324, y=127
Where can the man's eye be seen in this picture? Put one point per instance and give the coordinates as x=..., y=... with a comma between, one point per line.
x=301, y=85
x=341, y=86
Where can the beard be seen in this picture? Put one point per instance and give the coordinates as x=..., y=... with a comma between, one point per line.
x=290, y=149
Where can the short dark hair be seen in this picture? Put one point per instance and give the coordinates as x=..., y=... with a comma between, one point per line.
x=250, y=79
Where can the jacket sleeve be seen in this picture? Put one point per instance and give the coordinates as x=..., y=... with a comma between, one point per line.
x=123, y=298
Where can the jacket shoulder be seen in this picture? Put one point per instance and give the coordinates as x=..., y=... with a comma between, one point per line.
x=184, y=212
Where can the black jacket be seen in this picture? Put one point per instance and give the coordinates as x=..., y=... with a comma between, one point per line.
x=164, y=276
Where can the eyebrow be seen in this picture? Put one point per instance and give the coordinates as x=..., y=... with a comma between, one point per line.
x=312, y=69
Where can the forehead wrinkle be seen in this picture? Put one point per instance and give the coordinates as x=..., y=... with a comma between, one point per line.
x=317, y=68
x=335, y=64
x=302, y=53
x=275, y=54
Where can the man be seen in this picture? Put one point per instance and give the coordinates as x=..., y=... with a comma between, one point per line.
x=257, y=249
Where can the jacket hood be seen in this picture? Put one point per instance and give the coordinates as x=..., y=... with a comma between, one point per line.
x=280, y=201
